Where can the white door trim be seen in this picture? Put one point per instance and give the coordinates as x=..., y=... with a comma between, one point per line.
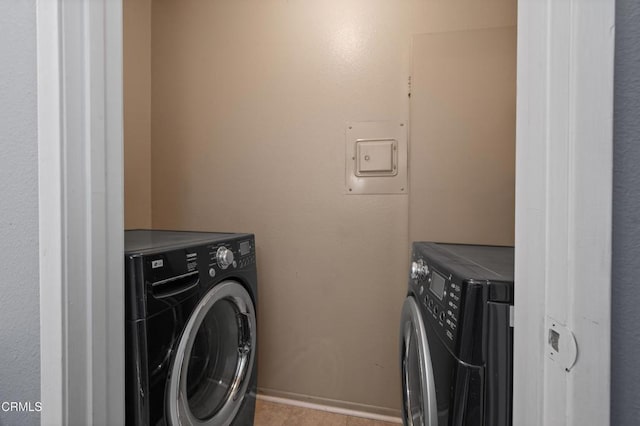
x=79, y=56
x=563, y=211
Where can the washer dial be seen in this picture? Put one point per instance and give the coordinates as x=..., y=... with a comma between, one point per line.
x=225, y=257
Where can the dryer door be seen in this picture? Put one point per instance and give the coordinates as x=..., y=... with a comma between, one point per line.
x=214, y=359
x=419, y=406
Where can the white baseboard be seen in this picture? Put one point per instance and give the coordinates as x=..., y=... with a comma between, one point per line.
x=329, y=405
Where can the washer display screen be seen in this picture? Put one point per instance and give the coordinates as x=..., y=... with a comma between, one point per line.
x=245, y=248
x=437, y=284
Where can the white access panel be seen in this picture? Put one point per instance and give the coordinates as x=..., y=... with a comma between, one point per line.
x=376, y=157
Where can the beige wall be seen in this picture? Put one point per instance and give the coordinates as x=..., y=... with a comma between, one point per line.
x=463, y=125
x=137, y=113
x=249, y=101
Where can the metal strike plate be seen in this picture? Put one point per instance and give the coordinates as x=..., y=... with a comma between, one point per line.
x=562, y=347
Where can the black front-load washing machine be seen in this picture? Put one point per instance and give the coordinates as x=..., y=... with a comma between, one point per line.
x=190, y=337
x=456, y=343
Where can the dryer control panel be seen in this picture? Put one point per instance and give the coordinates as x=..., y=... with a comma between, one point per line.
x=441, y=296
x=461, y=287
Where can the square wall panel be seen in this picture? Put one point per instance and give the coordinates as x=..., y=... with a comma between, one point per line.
x=376, y=157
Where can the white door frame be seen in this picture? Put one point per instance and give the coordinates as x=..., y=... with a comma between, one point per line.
x=563, y=210
x=80, y=165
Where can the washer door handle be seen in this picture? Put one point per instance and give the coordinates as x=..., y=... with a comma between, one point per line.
x=244, y=352
x=244, y=330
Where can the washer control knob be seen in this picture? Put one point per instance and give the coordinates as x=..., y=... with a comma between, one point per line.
x=419, y=270
x=224, y=256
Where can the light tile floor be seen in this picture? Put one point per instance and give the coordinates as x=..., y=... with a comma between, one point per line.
x=271, y=414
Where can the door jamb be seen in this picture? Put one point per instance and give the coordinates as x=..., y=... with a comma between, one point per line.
x=80, y=166
x=563, y=211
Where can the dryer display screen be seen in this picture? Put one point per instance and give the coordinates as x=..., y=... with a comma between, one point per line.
x=437, y=284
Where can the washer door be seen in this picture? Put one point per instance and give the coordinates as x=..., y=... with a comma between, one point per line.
x=419, y=406
x=214, y=359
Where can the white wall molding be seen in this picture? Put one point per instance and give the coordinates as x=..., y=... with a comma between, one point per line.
x=52, y=345
x=563, y=209
x=344, y=408
x=81, y=211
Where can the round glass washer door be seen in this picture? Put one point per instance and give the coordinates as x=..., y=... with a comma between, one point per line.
x=214, y=359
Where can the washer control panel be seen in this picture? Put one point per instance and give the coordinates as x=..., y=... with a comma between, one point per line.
x=231, y=255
